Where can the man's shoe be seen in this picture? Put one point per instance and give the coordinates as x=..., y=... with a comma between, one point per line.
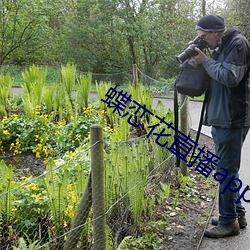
x=241, y=219
x=221, y=231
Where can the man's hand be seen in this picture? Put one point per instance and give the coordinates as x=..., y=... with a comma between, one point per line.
x=200, y=58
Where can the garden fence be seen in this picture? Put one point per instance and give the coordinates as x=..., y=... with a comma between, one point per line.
x=93, y=226
x=102, y=208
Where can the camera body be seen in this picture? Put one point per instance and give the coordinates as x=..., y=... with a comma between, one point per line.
x=190, y=51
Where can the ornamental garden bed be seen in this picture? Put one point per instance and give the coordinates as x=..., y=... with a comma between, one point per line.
x=45, y=145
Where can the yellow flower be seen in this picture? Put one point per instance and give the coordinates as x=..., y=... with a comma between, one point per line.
x=37, y=196
x=69, y=211
x=45, y=151
x=14, y=209
x=38, y=156
x=73, y=199
x=31, y=186
x=6, y=132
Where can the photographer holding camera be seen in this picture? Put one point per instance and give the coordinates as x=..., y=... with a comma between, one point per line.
x=227, y=111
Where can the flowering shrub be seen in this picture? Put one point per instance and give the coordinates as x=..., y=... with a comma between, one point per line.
x=43, y=137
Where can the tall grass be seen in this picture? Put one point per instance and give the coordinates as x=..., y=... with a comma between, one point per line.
x=68, y=74
x=83, y=90
x=5, y=90
x=6, y=197
x=33, y=86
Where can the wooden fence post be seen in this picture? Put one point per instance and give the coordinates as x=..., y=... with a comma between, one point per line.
x=98, y=195
x=135, y=74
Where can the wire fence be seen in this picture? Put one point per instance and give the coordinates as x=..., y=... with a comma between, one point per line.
x=55, y=210
x=42, y=209
x=160, y=87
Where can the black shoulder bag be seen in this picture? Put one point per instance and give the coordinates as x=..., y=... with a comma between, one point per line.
x=191, y=81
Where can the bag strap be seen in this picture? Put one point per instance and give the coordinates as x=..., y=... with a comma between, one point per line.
x=176, y=121
x=200, y=125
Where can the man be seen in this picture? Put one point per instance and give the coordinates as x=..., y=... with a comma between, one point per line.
x=227, y=111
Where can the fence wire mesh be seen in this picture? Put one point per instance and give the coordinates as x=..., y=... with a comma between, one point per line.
x=41, y=211
x=47, y=208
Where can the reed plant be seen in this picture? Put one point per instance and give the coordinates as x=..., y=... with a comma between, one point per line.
x=126, y=172
x=56, y=191
x=83, y=90
x=6, y=184
x=143, y=96
x=62, y=106
x=48, y=98
x=102, y=89
x=56, y=184
x=68, y=75
x=34, y=80
x=5, y=90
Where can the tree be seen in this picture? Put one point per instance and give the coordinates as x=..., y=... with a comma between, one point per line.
x=21, y=21
x=237, y=13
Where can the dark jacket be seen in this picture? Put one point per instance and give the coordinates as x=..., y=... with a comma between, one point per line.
x=228, y=103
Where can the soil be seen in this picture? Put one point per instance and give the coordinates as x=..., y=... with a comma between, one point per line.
x=25, y=164
x=187, y=223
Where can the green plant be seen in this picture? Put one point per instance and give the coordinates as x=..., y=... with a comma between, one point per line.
x=183, y=180
x=6, y=196
x=125, y=172
x=30, y=207
x=83, y=90
x=143, y=96
x=56, y=187
x=147, y=241
x=68, y=74
x=5, y=90
x=48, y=98
x=29, y=245
x=102, y=89
x=164, y=192
x=176, y=199
x=44, y=137
x=34, y=81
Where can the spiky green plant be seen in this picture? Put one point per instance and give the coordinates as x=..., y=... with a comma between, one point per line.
x=56, y=185
x=33, y=85
x=48, y=97
x=102, y=89
x=126, y=171
x=165, y=191
x=5, y=90
x=62, y=106
x=68, y=74
x=83, y=90
x=6, y=184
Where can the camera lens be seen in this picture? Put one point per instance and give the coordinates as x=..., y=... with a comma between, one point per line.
x=187, y=53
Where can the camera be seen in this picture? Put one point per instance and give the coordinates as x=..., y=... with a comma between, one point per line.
x=190, y=51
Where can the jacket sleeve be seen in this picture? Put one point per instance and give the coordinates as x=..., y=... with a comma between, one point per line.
x=232, y=69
